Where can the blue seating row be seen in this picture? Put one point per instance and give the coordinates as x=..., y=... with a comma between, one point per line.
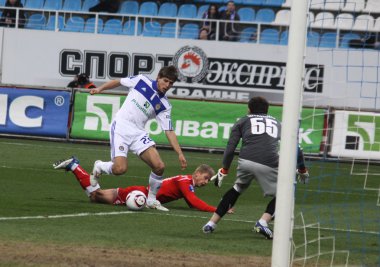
x=111, y=26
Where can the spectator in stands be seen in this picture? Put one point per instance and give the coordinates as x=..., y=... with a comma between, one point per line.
x=370, y=41
x=229, y=31
x=8, y=18
x=81, y=81
x=208, y=29
x=110, y=6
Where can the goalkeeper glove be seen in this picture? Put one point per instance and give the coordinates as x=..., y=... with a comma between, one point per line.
x=218, y=178
x=302, y=176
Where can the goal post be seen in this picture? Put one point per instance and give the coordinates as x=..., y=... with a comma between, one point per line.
x=289, y=135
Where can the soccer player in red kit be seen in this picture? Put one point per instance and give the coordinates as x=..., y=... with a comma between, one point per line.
x=174, y=188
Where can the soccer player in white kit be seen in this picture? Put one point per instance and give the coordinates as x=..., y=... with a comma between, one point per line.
x=146, y=100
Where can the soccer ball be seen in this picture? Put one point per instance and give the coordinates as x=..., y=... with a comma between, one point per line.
x=135, y=200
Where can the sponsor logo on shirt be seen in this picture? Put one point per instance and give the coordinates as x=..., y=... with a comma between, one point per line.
x=191, y=188
x=147, y=104
x=140, y=107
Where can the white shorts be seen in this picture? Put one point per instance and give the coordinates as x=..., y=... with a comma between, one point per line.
x=124, y=138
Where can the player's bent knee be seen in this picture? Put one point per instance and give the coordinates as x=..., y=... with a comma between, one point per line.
x=159, y=168
x=118, y=169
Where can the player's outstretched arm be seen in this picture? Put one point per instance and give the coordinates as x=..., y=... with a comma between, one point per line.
x=105, y=86
x=172, y=138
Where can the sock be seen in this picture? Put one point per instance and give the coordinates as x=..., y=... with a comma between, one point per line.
x=82, y=176
x=263, y=222
x=271, y=207
x=106, y=167
x=155, y=182
x=227, y=202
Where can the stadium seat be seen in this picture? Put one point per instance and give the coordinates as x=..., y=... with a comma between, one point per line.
x=274, y=3
x=328, y=39
x=344, y=21
x=34, y=4
x=201, y=10
x=334, y=5
x=237, y=2
x=265, y=15
x=252, y=2
x=269, y=36
x=36, y=21
x=148, y=9
x=284, y=36
x=189, y=31
x=72, y=5
x=187, y=11
x=90, y=25
x=50, y=25
x=53, y=4
x=152, y=29
x=282, y=17
x=372, y=6
x=168, y=30
x=312, y=39
x=344, y=43
x=129, y=27
x=364, y=23
x=324, y=20
x=2, y=2
x=129, y=7
x=317, y=4
x=87, y=4
x=168, y=10
x=311, y=19
x=112, y=26
x=248, y=34
x=74, y=24
x=246, y=14
x=354, y=6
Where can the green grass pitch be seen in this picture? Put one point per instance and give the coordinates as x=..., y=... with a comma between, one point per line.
x=348, y=215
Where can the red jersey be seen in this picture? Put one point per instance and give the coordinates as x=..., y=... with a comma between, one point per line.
x=173, y=188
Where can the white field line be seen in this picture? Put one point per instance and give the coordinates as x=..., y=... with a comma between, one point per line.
x=88, y=214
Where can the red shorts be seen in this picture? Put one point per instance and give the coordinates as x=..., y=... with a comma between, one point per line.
x=122, y=193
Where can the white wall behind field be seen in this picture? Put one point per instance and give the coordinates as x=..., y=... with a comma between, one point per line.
x=237, y=71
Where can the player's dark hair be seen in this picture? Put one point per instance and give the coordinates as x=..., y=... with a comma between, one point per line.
x=258, y=105
x=205, y=168
x=169, y=72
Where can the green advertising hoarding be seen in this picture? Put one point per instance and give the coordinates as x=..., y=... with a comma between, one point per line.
x=197, y=123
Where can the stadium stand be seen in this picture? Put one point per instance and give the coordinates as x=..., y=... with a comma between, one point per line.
x=74, y=24
x=282, y=17
x=265, y=15
x=328, y=40
x=34, y=4
x=90, y=25
x=246, y=14
x=187, y=11
x=344, y=21
x=284, y=37
x=189, y=31
x=129, y=27
x=112, y=26
x=36, y=22
x=129, y=7
x=372, y=6
x=148, y=9
x=333, y=5
x=354, y=6
x=168, y=10
x=201, y=10
x=248, y=35
x=252, y=2
x=312, y=39
x=52, y=21
x=344, y=43
x=152, y=29
x=364, y=23
x=168, y=30
x=89, y=3
x=274, y=3
x=324, y=20
x=269, y=36
x=72, y=5
x=2, y=2
x=53, y=4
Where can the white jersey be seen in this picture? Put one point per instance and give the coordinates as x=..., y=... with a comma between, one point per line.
x=144, y=102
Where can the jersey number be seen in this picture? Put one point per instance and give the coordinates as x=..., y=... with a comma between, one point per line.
x=264, y=125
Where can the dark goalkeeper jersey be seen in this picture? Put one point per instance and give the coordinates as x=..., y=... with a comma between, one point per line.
x=260, y=134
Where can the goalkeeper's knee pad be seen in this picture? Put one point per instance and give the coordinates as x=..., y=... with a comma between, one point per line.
x=228, y=201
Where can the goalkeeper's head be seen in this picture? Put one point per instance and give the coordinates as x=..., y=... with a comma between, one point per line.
x=258, y=105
